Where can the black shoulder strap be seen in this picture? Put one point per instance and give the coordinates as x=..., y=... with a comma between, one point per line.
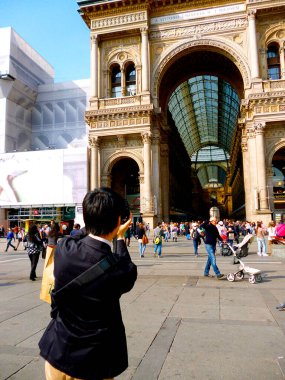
x=89, y=275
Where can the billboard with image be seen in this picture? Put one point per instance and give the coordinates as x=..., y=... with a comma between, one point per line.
x=43, y=177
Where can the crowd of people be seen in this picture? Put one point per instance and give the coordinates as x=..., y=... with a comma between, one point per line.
x=86, y=336
x=229, y=231
x=35, y=241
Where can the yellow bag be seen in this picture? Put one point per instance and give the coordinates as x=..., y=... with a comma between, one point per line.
x=48, y=277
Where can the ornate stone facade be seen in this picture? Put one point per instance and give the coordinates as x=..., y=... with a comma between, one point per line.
x=149, y=36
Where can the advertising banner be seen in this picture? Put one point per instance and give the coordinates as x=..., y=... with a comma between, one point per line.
x=43, y=177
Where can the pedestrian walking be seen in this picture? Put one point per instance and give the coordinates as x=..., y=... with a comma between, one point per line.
x=271, y=235
x=211, y=236
x=20, y=237
x=157, y=239
x=34, y=247
x=195, y=236
x=10, y=237
x=260, y=237
x=142, y=239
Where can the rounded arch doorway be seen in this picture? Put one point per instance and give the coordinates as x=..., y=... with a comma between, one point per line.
x=125, y=181
x=199, y=93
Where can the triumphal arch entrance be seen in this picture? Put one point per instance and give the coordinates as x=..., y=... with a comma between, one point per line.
x=187, y=107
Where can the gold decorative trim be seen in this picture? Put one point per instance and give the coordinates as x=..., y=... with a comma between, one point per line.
x=130, y=18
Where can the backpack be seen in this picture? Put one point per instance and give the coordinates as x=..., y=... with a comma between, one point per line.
x=157, y=240
x=196, y=234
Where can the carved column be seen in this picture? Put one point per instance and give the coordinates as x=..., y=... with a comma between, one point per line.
x=156, y=171
x=282, y=61
x=147, y=172
x=123, y=82
x=145, y=59
x=107, y=83
x=94, y=162
x=253, y=44
x=165, y=181
x=253, y=203
x=246, y=173
x=261, y=168
x=94, y=67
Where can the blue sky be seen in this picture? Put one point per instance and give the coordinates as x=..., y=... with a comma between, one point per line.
x=55, y=30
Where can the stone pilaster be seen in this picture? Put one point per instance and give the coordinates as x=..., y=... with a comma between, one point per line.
x=156, y=163
x=145, y=59
x=261, y=169
x=253, y=44
x=282, y=61
x=148, y=197
x=164, y=152
x=253, y=202
x=94, y=67
x=94, y=162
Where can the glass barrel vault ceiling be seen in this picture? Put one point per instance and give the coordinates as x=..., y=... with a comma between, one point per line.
x=205, y=110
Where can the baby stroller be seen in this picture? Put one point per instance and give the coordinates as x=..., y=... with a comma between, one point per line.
x=226, y=249
x=254, y=274
x=239, y=250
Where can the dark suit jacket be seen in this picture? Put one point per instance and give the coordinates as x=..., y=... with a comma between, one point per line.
x=86, y=337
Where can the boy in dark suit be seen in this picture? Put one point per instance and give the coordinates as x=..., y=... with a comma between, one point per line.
x=86, y=337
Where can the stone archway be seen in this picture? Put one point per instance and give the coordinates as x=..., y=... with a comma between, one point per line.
x=115, y=157
x=222, y=46
x=182, y=63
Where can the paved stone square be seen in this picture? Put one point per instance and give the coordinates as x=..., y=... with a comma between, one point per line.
x=179, y=324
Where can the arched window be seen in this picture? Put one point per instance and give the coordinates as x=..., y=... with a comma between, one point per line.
x=131, y=80
x=273, y=61
x=116, y=82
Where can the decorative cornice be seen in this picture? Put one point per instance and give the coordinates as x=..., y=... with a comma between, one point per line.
x=194, y=30
x=122, y=119
x=263, y=103
x=124, y=19
x=172, y=6
x=111, y=113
